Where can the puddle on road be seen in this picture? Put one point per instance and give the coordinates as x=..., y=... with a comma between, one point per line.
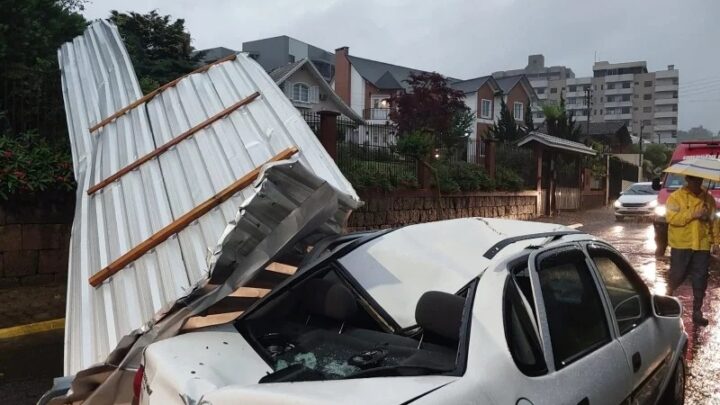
x=637, y=242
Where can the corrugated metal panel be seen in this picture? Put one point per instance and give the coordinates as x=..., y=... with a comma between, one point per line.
x=98, y=80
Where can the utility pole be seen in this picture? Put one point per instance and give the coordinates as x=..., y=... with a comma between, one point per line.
x=640, y=156
x=588, y=91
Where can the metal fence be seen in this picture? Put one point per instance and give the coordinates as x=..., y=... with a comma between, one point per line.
x=369, y=150
x=518, y=160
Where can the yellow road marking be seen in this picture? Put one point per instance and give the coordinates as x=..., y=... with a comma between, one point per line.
x=22, y=330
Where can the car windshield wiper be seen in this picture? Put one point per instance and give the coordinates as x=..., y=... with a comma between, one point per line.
x=399, y=370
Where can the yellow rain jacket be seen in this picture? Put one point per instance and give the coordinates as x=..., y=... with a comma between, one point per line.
x=684, y=232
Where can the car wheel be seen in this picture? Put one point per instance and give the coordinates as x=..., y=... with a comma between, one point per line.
x=675, y=392
x=619, y=218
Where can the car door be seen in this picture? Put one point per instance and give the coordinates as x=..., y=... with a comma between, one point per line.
x=586, y=365
x=647, y=353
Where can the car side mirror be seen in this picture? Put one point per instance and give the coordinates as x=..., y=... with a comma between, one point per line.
x=628, y=309
x=656, y=185
x=666, y=307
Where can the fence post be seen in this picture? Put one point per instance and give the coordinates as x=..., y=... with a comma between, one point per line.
x=490, y=157
x=328, y=132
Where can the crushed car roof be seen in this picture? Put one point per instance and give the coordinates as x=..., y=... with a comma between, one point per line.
x=398, y=267
x=222, y=131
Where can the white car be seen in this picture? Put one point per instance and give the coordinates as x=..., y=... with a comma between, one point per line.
x=481, y=311
x=637, y=200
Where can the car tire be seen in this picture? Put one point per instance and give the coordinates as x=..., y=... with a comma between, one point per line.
x=675, y=392
x=619, y=218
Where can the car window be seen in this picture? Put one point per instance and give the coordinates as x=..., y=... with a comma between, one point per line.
x=626, y=295
x=575, y=315
x=640, y=189
x=520, y=324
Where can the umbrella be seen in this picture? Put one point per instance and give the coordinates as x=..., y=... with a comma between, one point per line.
x=705, y=168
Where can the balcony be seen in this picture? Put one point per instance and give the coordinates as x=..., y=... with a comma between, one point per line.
x=618, y=117
x=666, y=101
x=611, y=104
x=579, y=81
x=542, y=96
x=611, y=92
x=620, y=78
x=667, y=87
x=665, y=127
x=376, y=114
x=665, y=114
x=537, y=84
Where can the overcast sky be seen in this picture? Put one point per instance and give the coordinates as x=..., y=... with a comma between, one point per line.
x=465, y=39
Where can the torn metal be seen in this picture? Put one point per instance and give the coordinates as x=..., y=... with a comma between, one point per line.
x=97, y=81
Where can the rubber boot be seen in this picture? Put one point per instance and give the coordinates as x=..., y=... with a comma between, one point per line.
x=698, y=318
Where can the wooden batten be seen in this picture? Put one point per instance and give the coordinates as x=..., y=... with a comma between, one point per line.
x=182, y=222
x=165, y=147
x=152, y=94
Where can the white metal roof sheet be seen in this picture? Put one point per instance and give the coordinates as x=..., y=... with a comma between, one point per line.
x=98, y=79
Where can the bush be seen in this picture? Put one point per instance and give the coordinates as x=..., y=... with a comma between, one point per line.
x=462, y=176
x=508, y=180
x=364, y=175
x=29, y=164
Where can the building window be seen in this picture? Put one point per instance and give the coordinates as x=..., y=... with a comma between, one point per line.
x=635, y=109
x=626, y=97
x=648, y=83
x=485, y=108
x=540, y=91
x=625, y=110
x=636, y=96
x=674, y=108
x=674, y=121
x=675, y=81
x=646, y=122
x=647, y=96
x=626, y=85
x=301, y=92
x=647, y=109
x=675, y=94
x=611, y=86
x=594, y=112
x=601, y=112
x=571, y=88
x=553, y=90
x=636, y=83
x=518, y=110
x=610, y=99
x=601, y=87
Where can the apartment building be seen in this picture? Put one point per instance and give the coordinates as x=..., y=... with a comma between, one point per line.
x=645, y=101
x=276, y=52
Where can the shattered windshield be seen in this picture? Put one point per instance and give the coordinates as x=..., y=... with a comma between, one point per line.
x=322, y=329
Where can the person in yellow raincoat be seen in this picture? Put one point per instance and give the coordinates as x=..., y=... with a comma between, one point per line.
x=692, y=233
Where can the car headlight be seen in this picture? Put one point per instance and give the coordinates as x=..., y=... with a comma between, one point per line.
x=717, y=214
x=653, y=204
x=617, y=204
x=660, y=210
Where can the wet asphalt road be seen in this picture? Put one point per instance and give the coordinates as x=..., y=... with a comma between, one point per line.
x=27, y=364
x=635, y=240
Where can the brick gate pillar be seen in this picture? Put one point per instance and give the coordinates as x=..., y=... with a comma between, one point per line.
x=328, y=132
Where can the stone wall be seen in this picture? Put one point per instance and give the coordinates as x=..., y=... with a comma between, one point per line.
x=394, y=209
x=34, y=240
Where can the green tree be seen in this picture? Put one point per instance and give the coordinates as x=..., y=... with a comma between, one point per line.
x=158, y=47
x=529, y=124
x=655, y=157
x=30, y=33
x=561, y=123
x=506, y=129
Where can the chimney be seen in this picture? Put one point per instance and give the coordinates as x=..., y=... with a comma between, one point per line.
x=342, y=74
x=671, y=67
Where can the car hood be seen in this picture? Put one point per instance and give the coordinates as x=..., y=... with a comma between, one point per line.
x=636, y=199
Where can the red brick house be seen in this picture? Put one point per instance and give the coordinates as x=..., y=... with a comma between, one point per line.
x=366, y=85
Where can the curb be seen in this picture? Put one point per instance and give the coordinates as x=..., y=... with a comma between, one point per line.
x=37, y=327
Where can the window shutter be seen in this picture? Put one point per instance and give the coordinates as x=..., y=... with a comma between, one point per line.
x=289, y=89
x=314, y=94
